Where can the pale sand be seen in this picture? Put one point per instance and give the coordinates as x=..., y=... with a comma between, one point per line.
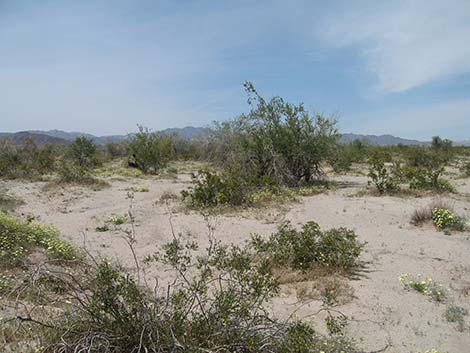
x=382, y=310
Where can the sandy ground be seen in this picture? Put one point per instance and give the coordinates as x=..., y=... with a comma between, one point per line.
x=382, y=311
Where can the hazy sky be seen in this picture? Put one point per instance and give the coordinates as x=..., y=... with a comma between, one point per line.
x=398, y=67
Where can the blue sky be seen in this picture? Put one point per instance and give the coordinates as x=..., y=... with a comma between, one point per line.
x=397, y=67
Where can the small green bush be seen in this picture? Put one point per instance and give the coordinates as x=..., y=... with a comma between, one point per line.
x=117, y=219
x=150, y=151
x=383, y=179
x=446, y=219
x=18, y=237
x=337, y=249
x=210, y=189
x=84, y=153
x=456, y=314
x=428, y=179
x=426, y=286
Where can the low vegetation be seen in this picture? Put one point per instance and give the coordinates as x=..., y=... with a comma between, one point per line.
x=424, y=285
x=337, y=249
x=217, y=302
x=457, y=314
x=18, y=237
x=441, y=215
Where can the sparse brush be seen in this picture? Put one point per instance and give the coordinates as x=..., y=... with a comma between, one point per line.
x=220, y=307
x=424, y=285
x=457, y=315
x=17, y=237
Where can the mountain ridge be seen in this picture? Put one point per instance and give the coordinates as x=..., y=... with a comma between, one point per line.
x=55, y=136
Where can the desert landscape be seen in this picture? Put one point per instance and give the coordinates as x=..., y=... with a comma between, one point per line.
x=234, y=176
x=383, y=316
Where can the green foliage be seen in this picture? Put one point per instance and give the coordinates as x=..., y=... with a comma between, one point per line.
x=216, y=303
x=426, y=286
x=116, y=150
x=210, y=189
x=382, y=177
x=347, y=154
x=428, y=178
x=18, y=237
x=150, y=151
x=117, y=219
x=69, y=172
x=337, y=249
x=27, y=160
x=456, y=314
x=446, y=219
x=83, y=153
x=276, y=140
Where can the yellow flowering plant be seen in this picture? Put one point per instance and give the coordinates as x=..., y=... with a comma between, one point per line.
x=423, y=285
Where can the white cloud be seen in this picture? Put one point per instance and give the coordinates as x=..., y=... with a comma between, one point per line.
x=408, y=43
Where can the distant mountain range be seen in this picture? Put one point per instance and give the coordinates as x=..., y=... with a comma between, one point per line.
x=53, y=137
x=382, y=140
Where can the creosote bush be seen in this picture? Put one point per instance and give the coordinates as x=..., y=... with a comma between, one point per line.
x=337, y=248
x=215, y=304
x=212, y=189
x=150, y=151
x=275, y=143
x=17, y=237
x=382, y=177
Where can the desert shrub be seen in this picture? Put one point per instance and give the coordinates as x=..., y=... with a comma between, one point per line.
x=426, y=286
x=456, y=314
x=428, y=178
x=439, y=144
x=150, y=151
x=17, y=237
x=337, y=249
x=276, y=140
x=211, y=189
x=84, y=153
x=115, y=150
x=9, y=159
x=347, y=154
x=69, y=172
x=446, y=219
x=382, y=177
x=26, y=160
x=219, y=307
x=342, y=160
x=117, y=219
